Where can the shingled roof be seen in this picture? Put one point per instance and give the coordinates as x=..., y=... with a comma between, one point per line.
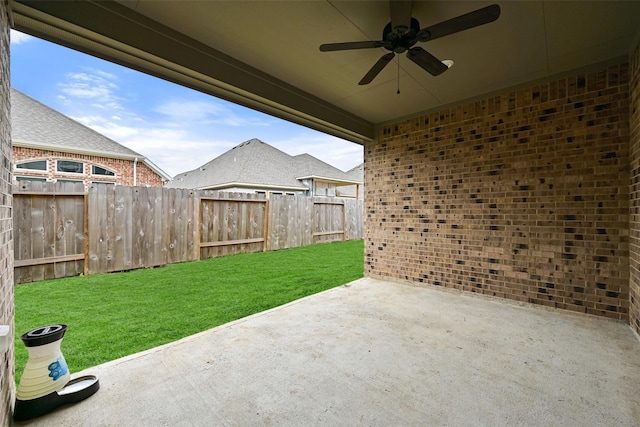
x=34, y=125
x=254, y=163
x=356, y=174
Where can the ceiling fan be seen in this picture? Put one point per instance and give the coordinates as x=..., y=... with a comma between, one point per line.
x=403, y=32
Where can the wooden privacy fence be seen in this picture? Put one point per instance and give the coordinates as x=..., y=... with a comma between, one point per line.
x=61, y=231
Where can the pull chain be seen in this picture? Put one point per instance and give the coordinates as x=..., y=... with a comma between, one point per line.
x=398, y=92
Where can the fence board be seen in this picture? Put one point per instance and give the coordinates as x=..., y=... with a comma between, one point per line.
x=61, y=232
x=38, y=207
x=194, y=226
x=22, y=237
x=231, y=223
x=142, y=214
x=122, y=242
x=329, y=223
x=289, y=222
x=47, y=244
x=354, y=219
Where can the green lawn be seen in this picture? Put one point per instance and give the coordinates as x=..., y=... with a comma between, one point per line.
x=114, y=315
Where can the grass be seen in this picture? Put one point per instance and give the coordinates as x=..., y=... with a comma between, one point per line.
x=117, y=314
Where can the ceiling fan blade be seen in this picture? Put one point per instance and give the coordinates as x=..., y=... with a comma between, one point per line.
x=460, y=23
x=377, y=67
x=330, y=47
x=428, y=62
x=400, y=15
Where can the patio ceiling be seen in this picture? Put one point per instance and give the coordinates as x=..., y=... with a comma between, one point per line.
x=264, y=54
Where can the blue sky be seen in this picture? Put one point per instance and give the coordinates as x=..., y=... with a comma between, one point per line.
x=177, y=128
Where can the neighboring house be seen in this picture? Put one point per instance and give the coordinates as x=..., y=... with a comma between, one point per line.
x=255, y=166
x=355, y=191
x=49, y=146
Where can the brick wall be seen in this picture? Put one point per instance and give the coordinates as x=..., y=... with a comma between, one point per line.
x=522, y=196
x=123, y=168
x=634, y=258
x=6, y=243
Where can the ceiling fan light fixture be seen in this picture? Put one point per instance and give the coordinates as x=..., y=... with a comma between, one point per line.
x=448, y=62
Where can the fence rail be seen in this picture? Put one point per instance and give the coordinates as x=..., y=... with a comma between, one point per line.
x=61, y=231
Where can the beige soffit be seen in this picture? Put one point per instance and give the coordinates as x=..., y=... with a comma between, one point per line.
x=265, y=55
x=116, y=33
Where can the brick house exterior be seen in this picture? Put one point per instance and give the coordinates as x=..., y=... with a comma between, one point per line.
x=7, y=384
x=633, y=228
x=42, y=138
x=124, y=168
x=523, y=195
x=530, y=194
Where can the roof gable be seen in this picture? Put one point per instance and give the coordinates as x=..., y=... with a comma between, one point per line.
x=255, y=163
x=357, y=173
x=308, y=166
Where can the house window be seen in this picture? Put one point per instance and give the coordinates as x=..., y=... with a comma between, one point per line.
x=102, y=183
x=69, y=166
x=36, y=165
x=30, y=178
x=99, y=170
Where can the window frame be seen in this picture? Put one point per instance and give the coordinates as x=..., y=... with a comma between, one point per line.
x=71, y=161
x=16, y=166
x=93, y=166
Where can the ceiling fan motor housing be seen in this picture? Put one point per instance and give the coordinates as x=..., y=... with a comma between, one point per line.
x=399, y=37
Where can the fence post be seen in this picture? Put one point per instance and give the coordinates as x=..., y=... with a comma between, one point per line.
x=86, y=231
x=197, y=230
x=265, y=222
x=344, y=221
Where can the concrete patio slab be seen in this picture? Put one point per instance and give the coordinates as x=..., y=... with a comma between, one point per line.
x=377, y=353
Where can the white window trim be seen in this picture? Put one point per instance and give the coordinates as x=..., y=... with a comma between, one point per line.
x=71, y=173
x=114, y=176
x=46, y=169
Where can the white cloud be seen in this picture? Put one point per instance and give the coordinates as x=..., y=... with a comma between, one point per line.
x=190, y=110
x=19, y=38
x=176, y=152
x=177, y=129
x=85, y=91
x=110, y=130
x=95, y=85
x=206, y=112
x=183, y=133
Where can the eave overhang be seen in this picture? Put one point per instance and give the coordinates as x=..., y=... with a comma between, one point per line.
x=118, y=34
x=249, y=185
x=339, y=182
